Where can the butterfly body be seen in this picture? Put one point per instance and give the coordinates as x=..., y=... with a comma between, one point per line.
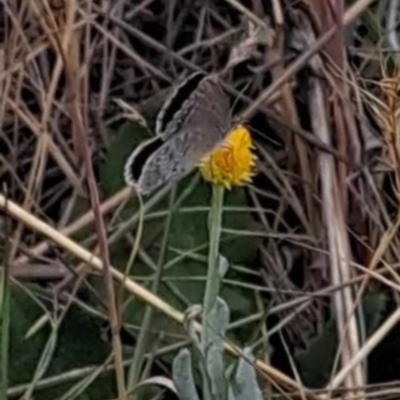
x=193, y=121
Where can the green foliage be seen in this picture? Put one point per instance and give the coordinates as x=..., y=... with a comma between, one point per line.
x=183, y=376
x=186, y=259
x=129, y=136
x=244, y=383
x=76, y=344
x=317, y=359
x=218, y=320
x=374, y=306
x=25, y=352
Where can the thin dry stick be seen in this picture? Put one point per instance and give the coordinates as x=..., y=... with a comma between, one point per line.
x=78, y=224
x=365, y=350
x=130, y=285
x=337, y=239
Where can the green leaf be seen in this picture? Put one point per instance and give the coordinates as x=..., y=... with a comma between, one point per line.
x=231, y=394
x=183, y=376
x=316, y=361
x=374, y=306
x=245, y=385
x=223, y=266
x=81, y=206
x=79, y=342
x=24, y=354
x=189, y=234
x=43, y=363
x=78, y=345
x=218, y=320
x=186, y=259
x=122, y=144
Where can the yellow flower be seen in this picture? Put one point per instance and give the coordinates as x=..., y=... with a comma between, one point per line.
x=232, y=163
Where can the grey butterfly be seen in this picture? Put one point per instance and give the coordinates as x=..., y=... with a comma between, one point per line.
x=193, y=121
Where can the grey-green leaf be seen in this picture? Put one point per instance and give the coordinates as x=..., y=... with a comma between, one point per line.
x=231, y=395
x=183, y=376
x=223, y=266
x=215, y=369
x=218, y=320
x=245, y=384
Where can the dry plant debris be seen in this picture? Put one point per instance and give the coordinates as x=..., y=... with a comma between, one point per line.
x=312, y=243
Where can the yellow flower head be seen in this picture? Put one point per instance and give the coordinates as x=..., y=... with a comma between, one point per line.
x=232, y=163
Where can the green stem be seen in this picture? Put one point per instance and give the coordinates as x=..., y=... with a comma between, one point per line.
x=213, y=277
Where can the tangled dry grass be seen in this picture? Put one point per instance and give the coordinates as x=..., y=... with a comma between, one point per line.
x=319, y=92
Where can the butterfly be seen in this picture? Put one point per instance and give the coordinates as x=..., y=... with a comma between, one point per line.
x=193, y=121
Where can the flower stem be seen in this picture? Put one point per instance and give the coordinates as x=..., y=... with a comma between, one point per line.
x=213, y=277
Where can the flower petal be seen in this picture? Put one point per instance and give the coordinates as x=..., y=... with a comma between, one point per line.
x=233, y=162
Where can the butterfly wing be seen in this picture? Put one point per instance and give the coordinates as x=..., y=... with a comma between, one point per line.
x=137, y=160
x=178, y=106
x=192, y=135
x=211, y=118
x=166, y=165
